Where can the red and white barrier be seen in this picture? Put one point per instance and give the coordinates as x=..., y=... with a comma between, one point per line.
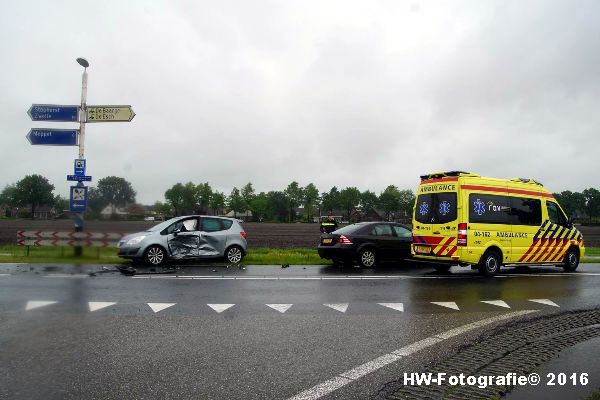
x=83, y=239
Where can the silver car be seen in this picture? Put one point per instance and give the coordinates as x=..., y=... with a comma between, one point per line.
x=189, y=237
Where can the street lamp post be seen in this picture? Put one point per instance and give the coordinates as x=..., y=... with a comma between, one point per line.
x=78, y=220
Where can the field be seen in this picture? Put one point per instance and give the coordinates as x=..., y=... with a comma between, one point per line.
x=260, y=235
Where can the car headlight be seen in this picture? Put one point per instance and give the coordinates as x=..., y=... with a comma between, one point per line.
x=135, y=240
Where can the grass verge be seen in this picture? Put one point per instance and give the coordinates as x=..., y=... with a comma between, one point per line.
x=257, y=256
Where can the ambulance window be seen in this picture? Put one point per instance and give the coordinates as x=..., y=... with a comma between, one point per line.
x=488, y=208
x=525, y=211
x=423, y=208
x=445, y=207
x=555, y=214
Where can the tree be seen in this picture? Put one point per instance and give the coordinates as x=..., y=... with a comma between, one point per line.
x=592, y=202
x=217, y=202
x=95, y=202
x=331, y=200
x=203, y=193
x=162, y=209
x=247, y=194
x=61, y=204
x=190, y=199
x=235, y=202
x=175, y=197
x=33, y=191
x=259, y=206
x=349, y=199
x=573, y=203
x=406, y=202
x=8, y=196
x=368, y=200
x=389, y=200
x=311, y=196
x=278, y=206
x=116, y=192
x=294, y=196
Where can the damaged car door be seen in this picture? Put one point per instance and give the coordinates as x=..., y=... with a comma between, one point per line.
x=184, y=238
x=213, y=237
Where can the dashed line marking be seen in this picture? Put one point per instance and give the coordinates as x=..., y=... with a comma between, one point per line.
x=220, y=307
x=37, y=304
x=280, y=307
x=393, y=306
x=447, y=304
x=358, y=372
x=156, y=307
x=98, y=305
x=341, y=307
x=547, y=302
x=498, y=303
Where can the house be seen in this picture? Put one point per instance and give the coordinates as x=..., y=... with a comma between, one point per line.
x=110, y=212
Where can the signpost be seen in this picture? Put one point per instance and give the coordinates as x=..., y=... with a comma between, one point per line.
x=75, y=137
x=109, y=114
x=53, y=112
x=53, y=137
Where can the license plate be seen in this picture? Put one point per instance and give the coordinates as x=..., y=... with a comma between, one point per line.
x=422, y=249
x=327, y=241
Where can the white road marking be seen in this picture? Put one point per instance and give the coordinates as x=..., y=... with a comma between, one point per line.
x=545, y=301
x=341, y=307
x=280, y=307
x=67, y=276
x=349, y=376
x=220, y=307
x=156, y=307
x=98, y=305
x=5, y=274
x=499, y=303
x=38, y=303
x=447, y=304
x=394, y=306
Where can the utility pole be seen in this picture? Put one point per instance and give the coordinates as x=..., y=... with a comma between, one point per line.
x=78, y=219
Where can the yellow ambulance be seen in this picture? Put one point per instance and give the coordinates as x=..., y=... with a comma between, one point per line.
x=466, y=219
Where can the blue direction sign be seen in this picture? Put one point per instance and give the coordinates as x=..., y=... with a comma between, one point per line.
x=53, y=112
x=79, y=178
x=78, y=198
x=53, y=137
x=79, y=167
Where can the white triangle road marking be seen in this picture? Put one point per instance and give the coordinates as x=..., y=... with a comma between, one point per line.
x=394, y=306
x=447, y=304
x=341, y=307
x=98, y=305
x=220, y=307
x=280, y=307
x=545, y=301
x=37, y=304
x=156, y=307
x=499, y=303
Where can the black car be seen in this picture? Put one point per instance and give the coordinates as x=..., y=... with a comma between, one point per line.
x=367, y=243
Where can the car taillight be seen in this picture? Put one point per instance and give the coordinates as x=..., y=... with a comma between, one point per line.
x=243, y=234
x=462, y=234
x=344, y=240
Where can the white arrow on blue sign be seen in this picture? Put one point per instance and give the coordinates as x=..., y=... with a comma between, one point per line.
x=53, y=137
x=79, y=166
x=53, y=112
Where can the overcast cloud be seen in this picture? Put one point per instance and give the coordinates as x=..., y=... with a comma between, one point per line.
x=342, y=93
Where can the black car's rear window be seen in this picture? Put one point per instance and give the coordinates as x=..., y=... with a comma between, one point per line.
x=346, y=230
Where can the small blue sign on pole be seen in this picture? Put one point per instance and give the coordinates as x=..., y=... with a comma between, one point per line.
x=79, y=178
x=53, y=137
x=79, y=167
x=53, y=112
x=78, y=198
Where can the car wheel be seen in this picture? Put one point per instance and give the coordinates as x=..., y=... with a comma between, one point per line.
x=155, y=255
x=571, y=260
x=234, y=254
x=490, y=263
x=367, y=258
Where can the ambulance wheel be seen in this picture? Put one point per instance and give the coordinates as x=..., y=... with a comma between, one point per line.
x=571, y=260
x=490, y=263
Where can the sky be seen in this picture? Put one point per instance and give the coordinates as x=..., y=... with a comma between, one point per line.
x=344, y=93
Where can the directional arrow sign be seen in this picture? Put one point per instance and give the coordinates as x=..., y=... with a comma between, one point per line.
x=53, y=112
x=109, y=113
x=53, y=137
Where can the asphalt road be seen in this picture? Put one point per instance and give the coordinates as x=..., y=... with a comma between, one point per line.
x=255, y=333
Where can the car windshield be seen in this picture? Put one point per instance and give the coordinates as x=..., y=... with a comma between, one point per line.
x=162, y=225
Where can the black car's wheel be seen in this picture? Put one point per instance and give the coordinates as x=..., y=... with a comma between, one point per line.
x=155, y=255
x=234, y=254
x=571, y=261
x=490, y=263
x=367, y=258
